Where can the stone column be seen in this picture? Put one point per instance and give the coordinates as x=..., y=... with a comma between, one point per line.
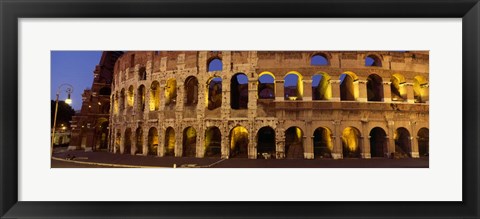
x=145, y=141
x=280, y=143
x=161, y=142
x=365, y=150
x=391, y=140
x=335, y=84
x=225, y=144
x=178, y=151
x=410, y=94
x=122, y=142
x=307, y=90
x=252, y=150
x=387, y=92
x=308, y=141
x=362, y=90
x=414, y=142
x=337, y=152
x=279, y=90
x=252, y=97
x=200, y=152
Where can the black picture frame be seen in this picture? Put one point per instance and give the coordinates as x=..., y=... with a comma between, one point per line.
x=11, y=11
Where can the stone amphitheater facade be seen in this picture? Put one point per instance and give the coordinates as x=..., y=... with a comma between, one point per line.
x=271, y=104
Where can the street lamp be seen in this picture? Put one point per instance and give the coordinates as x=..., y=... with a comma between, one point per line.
x=69, y=89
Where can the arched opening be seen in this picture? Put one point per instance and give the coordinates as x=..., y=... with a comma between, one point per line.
x=105, y=91
x=213, y=142
x=239, y=142
x=215, y=65
x=239, y=91
x=122, y=100
x=127, y=142
x=171, y=92
x=189, y=142
x=142, y=74
x=266, y=86
x=397, y=87
x=118, y=140
x=153, y=141
x=101, y=133
x=266, y=142
x=378, y=142
x=373, y=60
x=348, y=89
x=170, y=142
x=321, y=87
x=319, y=60
x=293, y=86
x=374, y=88
x=139, y=141
x=141, y=98
x=420, y=89
x=423, y=142
x=191, y=91
x=351, y=142
x=155, y=96
x=294, y=143
x=322, y=143
x=130, y=96
x=403, y=147
x=214, y=90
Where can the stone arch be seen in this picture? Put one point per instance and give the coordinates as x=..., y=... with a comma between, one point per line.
x=293, y=86
x=266, y=85
x=348, y=86
x=403, y=146
x=191, y=91
x=397, y=87
x=321, y=87
x=117, y=143
x=122, y=100
x=239, y=142
x=420, y=89
x=215, y=64
x=378, y=142
x=127, y=142
x=319, y=59
x=141, y=98
x=266, y=142
x=239, y=91
x=101, y=133
x=214, y=93
x=139, y=141
x=294, y=143
x=170, y=141
x=374, y=88
x=423, y=142
x=322, y=142
x=142, y=74
x=171, y=92
x=130, y=96
x=155, y=96
x=351, y=141
x=189, y=146
x=373, y=61
x=213, y=142
x=153, y=141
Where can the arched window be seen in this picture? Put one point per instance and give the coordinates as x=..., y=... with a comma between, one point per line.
x=142, y=74
x=214, y=90
x=397, y=87
x=374, y=88
x=130, y=96
x=321, y=87
x=373, y=61
x=239, y=91
x=141, y=98
x=420, y=89
x=191, y=91
x=266, y=86
x=215, y=65
x=171, y=92
x=348, y=89
x=319, y=60
x=239, y=142
x=293, y=86
x=294, y=143
x=351, y=142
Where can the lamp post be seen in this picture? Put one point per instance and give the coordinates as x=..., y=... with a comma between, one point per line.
x=69, y=89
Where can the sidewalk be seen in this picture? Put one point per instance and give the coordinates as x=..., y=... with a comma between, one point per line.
x=106, y=159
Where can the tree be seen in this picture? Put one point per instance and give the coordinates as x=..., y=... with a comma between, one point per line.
x=64, y=114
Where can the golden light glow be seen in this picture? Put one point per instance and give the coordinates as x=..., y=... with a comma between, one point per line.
x=350, y=139
x=398, y=90
x=170, y=140
x=68, y=101
x=130, y=96
x=299, y=84
x=324, y=89
x=420, y=89
x=170, y=91
x=154, y=104
x=237, y=134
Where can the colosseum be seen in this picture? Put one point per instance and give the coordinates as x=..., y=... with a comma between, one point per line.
x=270, y=104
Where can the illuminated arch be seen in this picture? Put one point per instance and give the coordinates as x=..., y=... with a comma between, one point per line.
x=141, y=98
x=378, y=142
x=397, y=87
x=348, y=86
x=351, y=142
x=127, y=141
x=155, y=96
x=171, y=92
x=213, y=142
x=214, y=93
x=239, y=142
x=169, y=142
x=322, y=142
x=191, y=91
x=374, y=88
x=153, y=141
x=122, y=100
x=266, y=85
x=293, y=90
x=294, y=143
x=423, y=142
x=130, y=96
x=420, y=89
x=139, y=141
x=321, y=87
x=403, y=146
x=239, y=91
x=189, y=146
x=142, y=74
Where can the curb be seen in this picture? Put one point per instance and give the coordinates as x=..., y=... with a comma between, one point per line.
x=107, y=164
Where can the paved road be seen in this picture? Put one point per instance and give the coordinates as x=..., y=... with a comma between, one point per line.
x=153, y=161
